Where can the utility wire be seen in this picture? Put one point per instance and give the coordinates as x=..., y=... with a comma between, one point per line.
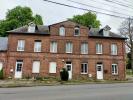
x=96, y=7
x=108, y=4
x=126, y=3
x=119, y=4
x=66, y=5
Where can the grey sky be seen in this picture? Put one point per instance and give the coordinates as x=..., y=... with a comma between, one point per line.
x=52, y=13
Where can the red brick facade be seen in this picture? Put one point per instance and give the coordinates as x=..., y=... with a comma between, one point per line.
x=76, y=58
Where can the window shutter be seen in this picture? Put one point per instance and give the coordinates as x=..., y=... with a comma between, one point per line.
x=53, y=47
x=69, y=47
x=36, y=67
x=52, y=67
x=84, y=48
x=21, y=44
x=37, y=46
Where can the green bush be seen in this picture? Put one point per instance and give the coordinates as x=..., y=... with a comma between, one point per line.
x=64, y=74
x=39, y=78
x=1, y=74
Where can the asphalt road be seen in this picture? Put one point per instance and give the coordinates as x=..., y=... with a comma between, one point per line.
x=123, y=91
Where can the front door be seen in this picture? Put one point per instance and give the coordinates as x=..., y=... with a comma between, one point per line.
x=69, y=69
x=18, y=69
x=1, y=66
x=99, y=69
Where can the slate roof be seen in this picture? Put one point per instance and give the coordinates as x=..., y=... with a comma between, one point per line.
x=98, y=33
x=40, y=29
x=3, y=43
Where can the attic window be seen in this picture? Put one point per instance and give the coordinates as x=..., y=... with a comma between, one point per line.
x=31, y=27
x=76, y=31
x=62, y=31
x=105, y=33
x=106, y=30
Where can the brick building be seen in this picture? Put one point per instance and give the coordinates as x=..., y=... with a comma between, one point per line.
x=35, y=50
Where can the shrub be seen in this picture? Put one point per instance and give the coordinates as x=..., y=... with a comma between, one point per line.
x=1, y=74
x=64, y=74
x=39, y=78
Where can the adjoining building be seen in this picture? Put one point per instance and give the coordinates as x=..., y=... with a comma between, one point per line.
x=36, y=50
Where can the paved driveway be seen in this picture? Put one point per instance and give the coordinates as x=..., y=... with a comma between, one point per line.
x=123, y=91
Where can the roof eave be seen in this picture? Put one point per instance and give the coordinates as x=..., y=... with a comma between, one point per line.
x=108, y=37
x=26, y=33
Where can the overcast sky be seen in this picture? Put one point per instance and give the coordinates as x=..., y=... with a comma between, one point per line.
x=52, y=13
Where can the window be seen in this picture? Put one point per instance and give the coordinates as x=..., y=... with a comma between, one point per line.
x=37, y=46
x=84, y=68
x=53, y=47
x=98, y=48
x=113, y=49
x=19, y=65
x=84, y=48
x=62, y=31
x=21, y=44
x=69, y=47
x=1, y=66
x=114, y=69
x=31, y=27
x=36, y=67
x=52, y=67
x=76, y=31
x=106, y=32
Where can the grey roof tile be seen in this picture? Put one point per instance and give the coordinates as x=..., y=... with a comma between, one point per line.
x=95, y=32
x=40, y=29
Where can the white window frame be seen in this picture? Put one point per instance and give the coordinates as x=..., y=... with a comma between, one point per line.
x=21, y=45
x=114, y=70
x=62, y=31
x=77, y=28
x=114, y=49
x=99, y=48
x=69, y=47
x=37, y=45
x=31, y=28
x=106, y=32
x=1, y=66
x=84, y=48
x=52, y=69
x=35, y=69
x=84, y=72
x=53, y=47
x=19, y=62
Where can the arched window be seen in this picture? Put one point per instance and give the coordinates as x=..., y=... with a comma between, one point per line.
x=76, y=31
x=62, y=31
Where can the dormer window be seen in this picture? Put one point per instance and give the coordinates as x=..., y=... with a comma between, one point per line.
x=62, y=31
x=105, y=33
x=31, y=27
x=76, y=31
x=106, y=30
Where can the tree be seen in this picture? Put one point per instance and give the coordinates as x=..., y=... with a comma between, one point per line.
x=126, y=30
x=128, y=61
x=64, y=74
x=38, y=19
x=87, y=19
x=17, y=17
x=7, y=25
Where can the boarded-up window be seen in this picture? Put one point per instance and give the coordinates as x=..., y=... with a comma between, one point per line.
x=36, y=67
x=52, y=67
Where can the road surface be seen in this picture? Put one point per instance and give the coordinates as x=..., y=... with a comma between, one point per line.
x=122, y=91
